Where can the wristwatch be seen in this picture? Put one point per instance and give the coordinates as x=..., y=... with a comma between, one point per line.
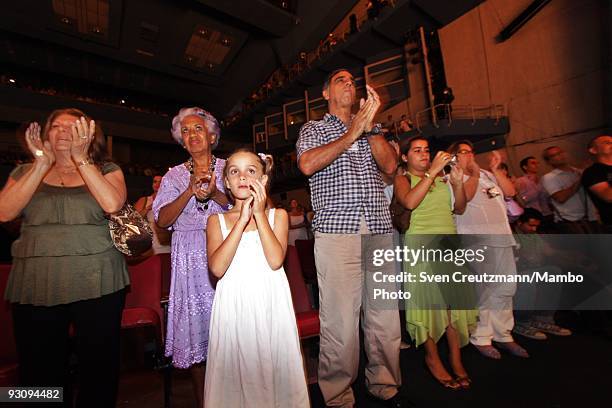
x=376, y=130
x=85, y=162
x=427, y=175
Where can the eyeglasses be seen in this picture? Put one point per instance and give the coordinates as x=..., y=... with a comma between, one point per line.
x=465, y=151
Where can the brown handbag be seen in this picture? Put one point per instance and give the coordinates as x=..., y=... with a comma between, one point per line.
x=130, y=232
x=400, y=215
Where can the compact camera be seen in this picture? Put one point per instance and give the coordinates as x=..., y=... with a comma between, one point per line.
x=451, y=163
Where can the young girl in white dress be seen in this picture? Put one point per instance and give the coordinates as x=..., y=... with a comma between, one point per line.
x=254, y=357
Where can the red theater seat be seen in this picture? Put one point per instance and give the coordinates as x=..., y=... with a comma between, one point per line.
x=143, y=308
x=166, y=265
x=8, y=351
x=142, y=303
x=305, y=250
x=307, y=318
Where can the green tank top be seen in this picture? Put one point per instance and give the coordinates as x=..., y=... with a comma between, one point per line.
x=434, y=214
x=65, y=252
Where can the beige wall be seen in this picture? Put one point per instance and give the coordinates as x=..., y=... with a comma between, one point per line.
x=550, y=75
x=418, y=100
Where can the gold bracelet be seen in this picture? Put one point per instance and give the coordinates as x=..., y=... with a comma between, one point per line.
x=84, y=162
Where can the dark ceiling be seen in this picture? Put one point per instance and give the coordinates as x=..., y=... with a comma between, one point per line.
x=213, y=53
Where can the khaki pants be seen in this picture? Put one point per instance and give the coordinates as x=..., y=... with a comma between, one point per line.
x=342, y=296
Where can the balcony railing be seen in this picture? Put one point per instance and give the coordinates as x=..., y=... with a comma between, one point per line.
x=448, y=113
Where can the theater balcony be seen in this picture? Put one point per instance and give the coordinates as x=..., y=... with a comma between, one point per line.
x=485, y=126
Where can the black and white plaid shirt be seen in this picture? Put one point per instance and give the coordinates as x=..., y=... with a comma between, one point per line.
x=349, y=188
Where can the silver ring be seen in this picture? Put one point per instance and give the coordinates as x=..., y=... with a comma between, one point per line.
x=38, y=153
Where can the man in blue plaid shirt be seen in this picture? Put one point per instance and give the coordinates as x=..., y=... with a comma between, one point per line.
x=344, y=155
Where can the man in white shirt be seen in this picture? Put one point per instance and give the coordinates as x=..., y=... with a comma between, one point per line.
x=570, y=203
x=485, y=217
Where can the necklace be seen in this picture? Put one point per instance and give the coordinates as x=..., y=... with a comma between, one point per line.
x=201, y=205
x=69, y=170
x=190, y=165
x=61, y=179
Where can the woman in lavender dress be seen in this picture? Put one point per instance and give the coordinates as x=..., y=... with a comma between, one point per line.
x=189, y=194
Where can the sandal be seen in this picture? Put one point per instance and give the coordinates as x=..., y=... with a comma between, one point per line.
x=450, y=383
x=464, y=381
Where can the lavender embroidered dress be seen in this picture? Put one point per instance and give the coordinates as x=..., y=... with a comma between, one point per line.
x=191, y=291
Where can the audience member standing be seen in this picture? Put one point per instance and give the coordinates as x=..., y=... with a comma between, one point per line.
x=144, y=205
x=597, y=179
x=513, y=208
x=433, y=201
x=405, y=124
x=189, y=194
x=66, y=270
x=254, y=358
x=530, y=191
x=485, y=217
x=569, y=201
x=343, y=156
x=298, y=223
x=532, y=254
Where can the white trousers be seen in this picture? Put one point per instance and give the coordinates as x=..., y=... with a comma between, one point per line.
x=495, y=317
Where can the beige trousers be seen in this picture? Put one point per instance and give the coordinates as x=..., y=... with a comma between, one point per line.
x=343, y=297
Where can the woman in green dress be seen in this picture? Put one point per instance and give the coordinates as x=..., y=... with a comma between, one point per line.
x=66, y=271
x=429, y=197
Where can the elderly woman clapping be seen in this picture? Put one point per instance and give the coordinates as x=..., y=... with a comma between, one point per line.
x=189, y=194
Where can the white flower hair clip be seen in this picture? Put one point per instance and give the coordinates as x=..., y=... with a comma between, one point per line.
x=262, y=156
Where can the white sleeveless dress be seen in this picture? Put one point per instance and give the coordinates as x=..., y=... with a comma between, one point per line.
x=254, y=357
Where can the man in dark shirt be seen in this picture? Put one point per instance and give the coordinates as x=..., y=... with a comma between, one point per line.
x=597, y=179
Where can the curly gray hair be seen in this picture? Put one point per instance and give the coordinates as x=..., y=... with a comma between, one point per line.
x=212, y=125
